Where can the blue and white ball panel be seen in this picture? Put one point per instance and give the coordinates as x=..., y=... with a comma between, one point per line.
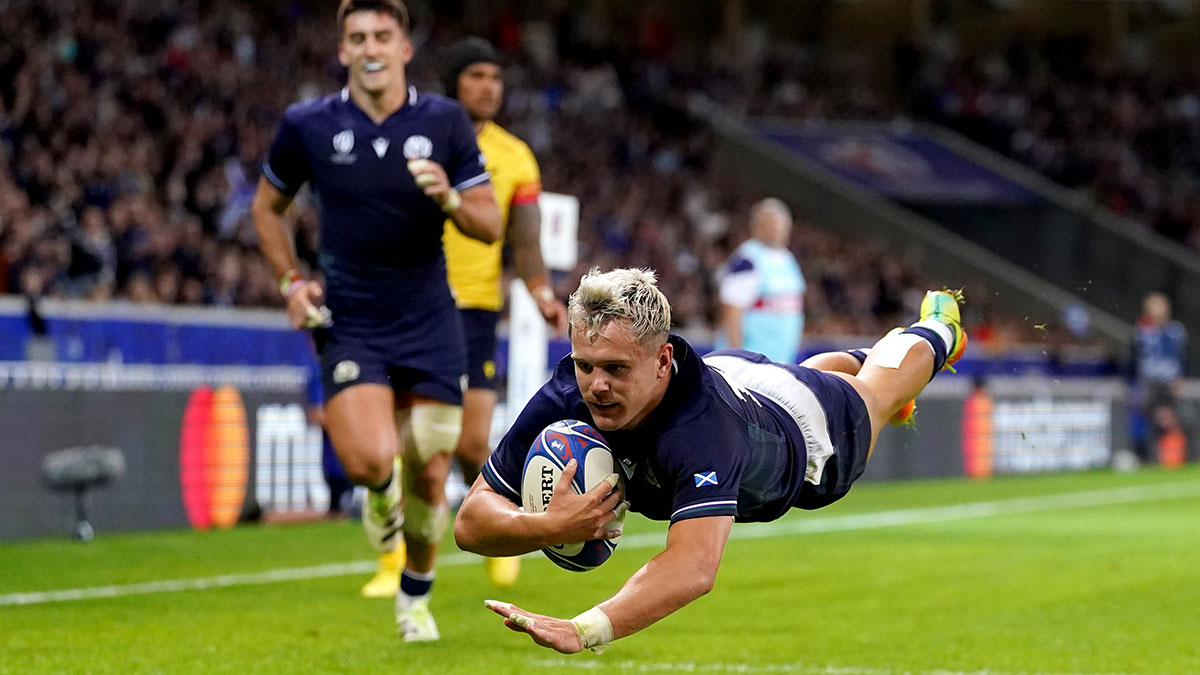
x=558, y=444
x=596, y=550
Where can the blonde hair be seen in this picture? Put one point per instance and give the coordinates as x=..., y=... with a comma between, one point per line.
x=604, y=297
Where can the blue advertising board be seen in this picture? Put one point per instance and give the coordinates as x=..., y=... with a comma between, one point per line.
x=901, y=164
x=82, y=333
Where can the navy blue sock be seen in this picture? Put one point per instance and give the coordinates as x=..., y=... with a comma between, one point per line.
x=382, y=487
x=415, y=584
x=936, y=341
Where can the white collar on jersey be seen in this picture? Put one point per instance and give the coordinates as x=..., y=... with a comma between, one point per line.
x=412, y=95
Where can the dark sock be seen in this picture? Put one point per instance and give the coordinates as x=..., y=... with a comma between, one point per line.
x=382, y=487
x=935, y=341
x=412, y=585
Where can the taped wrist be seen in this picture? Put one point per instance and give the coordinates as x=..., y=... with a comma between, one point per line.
x=453, y=201
x=290, y=282
x=595, y=630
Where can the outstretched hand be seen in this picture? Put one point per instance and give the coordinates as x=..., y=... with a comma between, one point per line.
x=547, y=631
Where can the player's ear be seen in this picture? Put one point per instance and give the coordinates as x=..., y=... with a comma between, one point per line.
x=666, y=354
x=343, y=57
x=406, y=50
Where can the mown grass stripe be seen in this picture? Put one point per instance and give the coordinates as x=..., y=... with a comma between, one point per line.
x=876, y=519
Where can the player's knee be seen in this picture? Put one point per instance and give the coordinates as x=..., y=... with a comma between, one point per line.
x=366, y=451
x=473, y=449
x=841, y=362
x=424, y=521
x=367, y=468
x=429, y=480
x=435, y=429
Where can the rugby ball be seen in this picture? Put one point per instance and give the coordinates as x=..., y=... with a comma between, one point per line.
x=558, y=444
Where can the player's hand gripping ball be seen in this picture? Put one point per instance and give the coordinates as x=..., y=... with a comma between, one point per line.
x=558, y=444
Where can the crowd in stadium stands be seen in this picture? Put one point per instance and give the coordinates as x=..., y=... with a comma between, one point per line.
x=131, y=138
x=1129, y=135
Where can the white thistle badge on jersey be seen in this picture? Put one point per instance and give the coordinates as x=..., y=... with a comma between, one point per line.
x=417, y=147
x=343, y=143
x=346, y=371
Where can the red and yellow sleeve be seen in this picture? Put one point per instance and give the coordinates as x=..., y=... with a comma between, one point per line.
x=527, y=193
x=529, y=185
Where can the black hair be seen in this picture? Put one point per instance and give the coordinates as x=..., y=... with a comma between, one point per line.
x=460, y=56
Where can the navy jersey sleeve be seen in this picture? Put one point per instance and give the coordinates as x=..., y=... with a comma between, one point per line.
x=466, y=167
x=702, y=465
x=502, y=471
x=286, y=166
x=738, y=263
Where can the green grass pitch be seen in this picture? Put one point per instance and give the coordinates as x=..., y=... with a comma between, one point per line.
x=1081, y=574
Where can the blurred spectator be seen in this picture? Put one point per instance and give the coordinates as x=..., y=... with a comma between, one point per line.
x=131, y=134
x=762, y=288
x=93, y=255
x=1085, y=119
x=1160, y=348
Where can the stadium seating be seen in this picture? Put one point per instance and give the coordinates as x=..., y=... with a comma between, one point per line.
x=128, y=173
x=1131, y=137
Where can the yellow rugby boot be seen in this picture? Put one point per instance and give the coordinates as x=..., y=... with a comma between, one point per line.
x=942, y=306
x=386, y=581
x=905, y=416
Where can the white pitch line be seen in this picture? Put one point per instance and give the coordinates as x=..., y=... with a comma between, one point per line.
x=968, y=510
x=754, y=668
x=860, y=521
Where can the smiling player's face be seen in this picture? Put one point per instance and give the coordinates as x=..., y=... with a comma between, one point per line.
x=374, y=49
x=620, y=378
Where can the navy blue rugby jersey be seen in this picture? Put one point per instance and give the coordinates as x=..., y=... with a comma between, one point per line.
x=381, y=236
x=710, y=448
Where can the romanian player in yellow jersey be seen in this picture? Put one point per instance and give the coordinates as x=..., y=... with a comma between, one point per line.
x=472, y=74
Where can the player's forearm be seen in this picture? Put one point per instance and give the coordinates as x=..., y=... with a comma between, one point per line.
x=669, y=581
x=524, y=234
x=274, y=237
x=489, y=524
x=275, y=243
x=478, y=216
x=731, y=322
